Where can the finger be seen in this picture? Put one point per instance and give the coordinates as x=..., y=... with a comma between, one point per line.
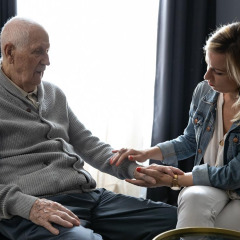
x=167, y=170
x=115, y=158
x=71, y=214
x=69, y=217
x=177, y=171
x=50, y=228
x=162, y=169
x=147, y=176
x=137, y=157
x=118, y=158
x=137, y=182
x=117, y=155
x=126, y=154
x=150, y=172
x=61, y=221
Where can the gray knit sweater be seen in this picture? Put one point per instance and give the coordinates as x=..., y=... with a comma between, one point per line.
x=42, y=152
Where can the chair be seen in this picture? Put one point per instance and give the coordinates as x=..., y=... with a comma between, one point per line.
x=198, y=232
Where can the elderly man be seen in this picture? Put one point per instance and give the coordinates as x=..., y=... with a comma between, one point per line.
x=45, y=193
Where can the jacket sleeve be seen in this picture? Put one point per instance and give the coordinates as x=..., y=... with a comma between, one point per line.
x=224, y=177
x=185, y=145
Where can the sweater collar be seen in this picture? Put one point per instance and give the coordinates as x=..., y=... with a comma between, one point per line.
x=10, y=86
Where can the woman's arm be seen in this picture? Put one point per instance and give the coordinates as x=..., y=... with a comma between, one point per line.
x=136, y=155
x=163, y=176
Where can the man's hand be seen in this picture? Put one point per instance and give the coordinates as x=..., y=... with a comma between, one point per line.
x=45, y=212
x=154, y=176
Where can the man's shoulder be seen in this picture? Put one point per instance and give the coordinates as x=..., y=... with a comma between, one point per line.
x=49, y=86
x=52, y=91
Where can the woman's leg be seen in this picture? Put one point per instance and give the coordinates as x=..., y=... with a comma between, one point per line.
x=229, y=216
x=200, y=205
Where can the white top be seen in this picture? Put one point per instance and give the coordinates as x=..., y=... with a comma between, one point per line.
x=214, y=152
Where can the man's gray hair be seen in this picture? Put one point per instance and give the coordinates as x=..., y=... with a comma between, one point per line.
x=16, y=31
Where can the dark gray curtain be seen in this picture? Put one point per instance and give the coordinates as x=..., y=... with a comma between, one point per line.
x=183, y=27
x=8, y=8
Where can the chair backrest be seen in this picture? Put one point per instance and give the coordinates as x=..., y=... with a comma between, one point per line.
x=218, y=233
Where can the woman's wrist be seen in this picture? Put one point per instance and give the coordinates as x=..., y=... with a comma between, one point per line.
x=154, y=153
x=185, y=180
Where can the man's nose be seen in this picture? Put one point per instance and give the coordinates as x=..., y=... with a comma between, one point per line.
x=45, y=59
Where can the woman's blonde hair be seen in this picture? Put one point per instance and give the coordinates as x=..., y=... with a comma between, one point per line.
x=226, y=40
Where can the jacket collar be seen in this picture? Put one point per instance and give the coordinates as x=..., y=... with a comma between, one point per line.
x=211, y=96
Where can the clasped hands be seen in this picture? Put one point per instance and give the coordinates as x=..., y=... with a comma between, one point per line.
x=150, y=176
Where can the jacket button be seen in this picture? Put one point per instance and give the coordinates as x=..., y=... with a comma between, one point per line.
x=221, y=143
x=235, y=140
x=199, y=150
x=208, y=129
x=195, y=120
x=28, y=109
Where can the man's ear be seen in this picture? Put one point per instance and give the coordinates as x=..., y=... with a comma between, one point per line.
x=9, y=52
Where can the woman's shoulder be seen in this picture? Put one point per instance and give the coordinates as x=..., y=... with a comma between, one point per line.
x=203, y=86
x=203, y=89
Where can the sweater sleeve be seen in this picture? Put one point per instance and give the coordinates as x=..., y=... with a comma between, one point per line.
x=95, y=152
x=14, y=202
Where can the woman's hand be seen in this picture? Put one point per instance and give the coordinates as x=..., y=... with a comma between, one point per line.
x=154, y=176
x=135, y=155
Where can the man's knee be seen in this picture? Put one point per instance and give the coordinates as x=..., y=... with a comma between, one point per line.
x=77, y=233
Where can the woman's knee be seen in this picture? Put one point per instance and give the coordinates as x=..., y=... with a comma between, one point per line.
x=202, y=196
x=192, y=196
x=199, y=206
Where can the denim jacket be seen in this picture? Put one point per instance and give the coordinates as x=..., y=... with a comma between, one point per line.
x=195, y=139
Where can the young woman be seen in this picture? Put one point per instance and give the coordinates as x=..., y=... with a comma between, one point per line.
x=211, y=197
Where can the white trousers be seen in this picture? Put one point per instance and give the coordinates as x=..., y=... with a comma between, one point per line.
x=203, y=206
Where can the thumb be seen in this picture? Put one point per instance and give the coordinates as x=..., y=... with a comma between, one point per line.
x=138, y=158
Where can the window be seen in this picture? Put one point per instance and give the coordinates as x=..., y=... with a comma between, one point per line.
x=103, y=57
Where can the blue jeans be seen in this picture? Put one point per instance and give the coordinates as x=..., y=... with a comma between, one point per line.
x=103, y=215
